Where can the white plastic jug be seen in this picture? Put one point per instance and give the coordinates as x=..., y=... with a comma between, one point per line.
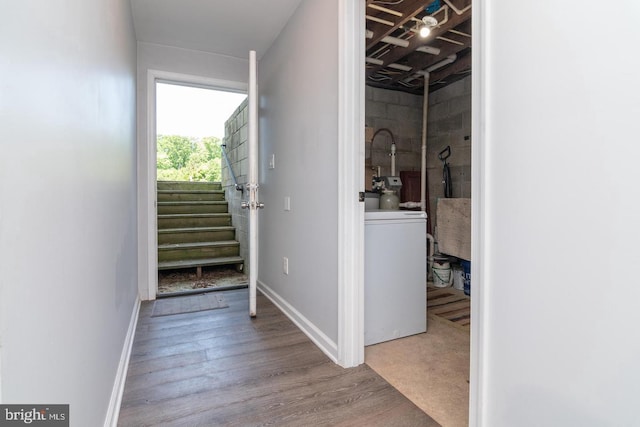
x=389, y=200
x=458, y=277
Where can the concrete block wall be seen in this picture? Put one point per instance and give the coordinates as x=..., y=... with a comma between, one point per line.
x=401, y=113
x=448, y=123
x=235, y=139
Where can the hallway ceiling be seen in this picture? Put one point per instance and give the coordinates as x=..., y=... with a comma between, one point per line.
x=401, y=19
x=227, y=27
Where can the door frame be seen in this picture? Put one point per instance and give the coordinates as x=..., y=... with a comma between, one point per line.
x=351, y=219
x=480, y=110
x=351, y=105
x=147, y=219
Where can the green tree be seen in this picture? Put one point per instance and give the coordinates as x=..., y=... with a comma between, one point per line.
x=163, y=161
x=176, y=148
x=182, y=158
x=213, y=147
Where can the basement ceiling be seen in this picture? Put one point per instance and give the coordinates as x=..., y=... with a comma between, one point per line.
x=397, y=56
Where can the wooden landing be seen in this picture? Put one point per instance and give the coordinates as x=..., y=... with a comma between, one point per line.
x=203, y=262
x=450, y=304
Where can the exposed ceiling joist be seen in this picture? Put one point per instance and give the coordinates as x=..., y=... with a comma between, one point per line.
x=460, y=65
x=408, y=9
x=397, y=56
x=421, y=62
x=397, y=53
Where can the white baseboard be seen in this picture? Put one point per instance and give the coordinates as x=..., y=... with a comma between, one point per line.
x=322, y=341
x=113, y=412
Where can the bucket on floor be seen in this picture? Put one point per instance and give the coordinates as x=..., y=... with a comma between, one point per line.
x=458, y=277
x=442, y=276
x=466, y=267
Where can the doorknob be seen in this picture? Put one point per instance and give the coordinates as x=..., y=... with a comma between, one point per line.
x=251, y=205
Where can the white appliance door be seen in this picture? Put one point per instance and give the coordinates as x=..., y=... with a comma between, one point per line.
x=395, y=280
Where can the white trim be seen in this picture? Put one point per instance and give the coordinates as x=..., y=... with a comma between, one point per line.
x=150, y=212
x=1, y=347
x=479, y=175
x=322, y=341
x=148, y=264
x=113, y=412
x=350, y=176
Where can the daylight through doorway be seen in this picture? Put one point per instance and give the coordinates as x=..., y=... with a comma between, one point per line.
x=197, y=247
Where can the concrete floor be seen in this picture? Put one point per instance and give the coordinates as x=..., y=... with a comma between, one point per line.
x=430, y=369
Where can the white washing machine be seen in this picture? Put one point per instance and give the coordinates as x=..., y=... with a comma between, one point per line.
x=395, y=282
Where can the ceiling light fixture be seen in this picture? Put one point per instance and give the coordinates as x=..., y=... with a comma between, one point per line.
x=428, y=22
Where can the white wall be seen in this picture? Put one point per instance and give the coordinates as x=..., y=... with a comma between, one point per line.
x=172, y=60
x=68, y=260
x=298, y=85
x=557, y=213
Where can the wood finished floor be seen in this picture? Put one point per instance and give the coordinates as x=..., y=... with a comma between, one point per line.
x=219, y=367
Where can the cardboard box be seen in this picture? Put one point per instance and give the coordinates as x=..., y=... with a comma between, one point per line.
x=454, y=227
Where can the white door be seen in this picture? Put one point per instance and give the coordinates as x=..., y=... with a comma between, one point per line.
x=253, y=203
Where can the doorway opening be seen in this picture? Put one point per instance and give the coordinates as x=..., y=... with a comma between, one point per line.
x=418, y=157
x=198, y=247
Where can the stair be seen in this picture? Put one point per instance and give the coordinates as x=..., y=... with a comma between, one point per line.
x=194, y=227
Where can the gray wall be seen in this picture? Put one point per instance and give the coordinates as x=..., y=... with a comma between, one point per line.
x=299, y=124
x=448, y=123
x=557, y=216
x=68, y=260
x=237, y=151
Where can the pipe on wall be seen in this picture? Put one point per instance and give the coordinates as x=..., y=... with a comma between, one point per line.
x=423, y=170
x=393, y=159
x=392, y=154
x=455, y=9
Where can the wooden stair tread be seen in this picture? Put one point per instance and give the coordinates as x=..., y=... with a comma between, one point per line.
x=193, y=202
x=170, y=246
x=196, y=215
x=162, y=181
x=200, y=262
x=191, y=191
x=188, y=212
x=196, y=229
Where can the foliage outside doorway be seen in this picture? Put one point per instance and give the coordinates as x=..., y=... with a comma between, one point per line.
x=184, y=158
